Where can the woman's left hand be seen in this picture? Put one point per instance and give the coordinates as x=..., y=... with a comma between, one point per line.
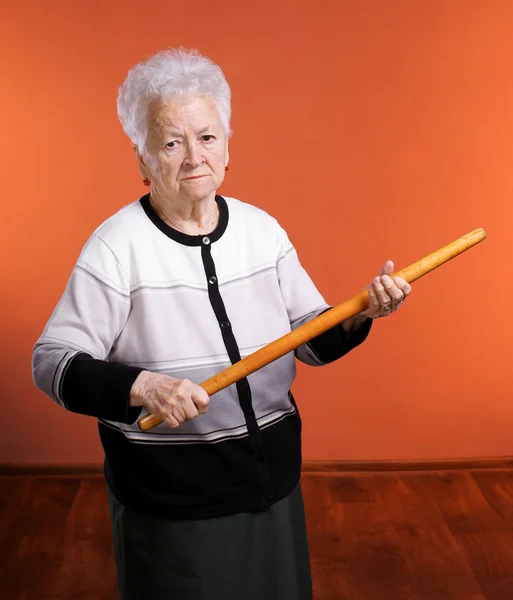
x=386, y=294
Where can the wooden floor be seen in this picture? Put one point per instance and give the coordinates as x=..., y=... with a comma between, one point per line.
x=416, y=536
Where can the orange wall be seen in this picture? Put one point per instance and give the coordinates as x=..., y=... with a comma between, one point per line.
x=371, y=129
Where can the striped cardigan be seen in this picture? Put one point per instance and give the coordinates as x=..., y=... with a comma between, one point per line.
x=144, y=296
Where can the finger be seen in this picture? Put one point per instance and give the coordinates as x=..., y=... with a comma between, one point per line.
x=373, y=298
x=169, y=404
x=387, y=268
x=189, y=409
x=201, y=399
x=403, y=285
x=163, y=407
x=170, y=421
x=384, y=299
x=164, y=404
x=393, y=291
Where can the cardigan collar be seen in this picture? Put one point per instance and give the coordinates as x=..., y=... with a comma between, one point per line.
x=184, y=238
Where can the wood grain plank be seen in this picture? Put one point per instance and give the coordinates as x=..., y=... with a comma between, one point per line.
x=360, y=488
x=32, y=541
x=497, y=488
x=86, y=565
x=436, y=561
x=462, y=503
x=14, y=493
x=356, y=551
x=490, y=556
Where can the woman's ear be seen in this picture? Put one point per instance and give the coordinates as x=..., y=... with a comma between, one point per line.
x=143, y=167
x=227, y=154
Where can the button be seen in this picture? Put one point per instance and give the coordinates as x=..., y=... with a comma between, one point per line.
x=225, y=324
x=269, y=496
x=206, y=240
x=212, y=279
x=261, y=457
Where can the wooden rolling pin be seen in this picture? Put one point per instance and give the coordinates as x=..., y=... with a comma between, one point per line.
x=334, y=316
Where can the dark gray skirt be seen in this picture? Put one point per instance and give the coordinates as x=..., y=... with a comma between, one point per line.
x=259, y=555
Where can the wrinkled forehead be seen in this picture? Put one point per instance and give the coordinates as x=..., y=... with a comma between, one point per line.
x=177, y=114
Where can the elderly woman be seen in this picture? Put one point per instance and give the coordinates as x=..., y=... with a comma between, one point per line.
x=167, y=292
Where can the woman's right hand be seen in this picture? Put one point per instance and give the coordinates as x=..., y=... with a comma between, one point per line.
x=172, y=400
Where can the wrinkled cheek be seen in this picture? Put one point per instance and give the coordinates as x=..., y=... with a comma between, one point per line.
x=166, y=176
x=220, y=174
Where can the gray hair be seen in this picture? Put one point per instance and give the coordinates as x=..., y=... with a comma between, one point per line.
x=171, y=73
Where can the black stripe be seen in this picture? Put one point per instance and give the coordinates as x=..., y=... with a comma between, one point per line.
x=232, y=348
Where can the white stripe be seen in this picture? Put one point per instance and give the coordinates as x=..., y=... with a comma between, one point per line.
x=170, y=436
x=220, y=361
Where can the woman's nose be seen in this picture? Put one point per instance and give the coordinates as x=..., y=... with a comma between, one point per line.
x=194, y=155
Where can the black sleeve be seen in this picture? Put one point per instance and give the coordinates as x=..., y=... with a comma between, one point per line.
x=336, y=342
x=100, y=389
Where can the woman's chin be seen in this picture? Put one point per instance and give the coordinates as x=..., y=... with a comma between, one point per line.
x=198, y=192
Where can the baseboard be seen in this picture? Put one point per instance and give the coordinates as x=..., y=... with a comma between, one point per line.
x=382, y=466
x=51, y=469
x=310, y=467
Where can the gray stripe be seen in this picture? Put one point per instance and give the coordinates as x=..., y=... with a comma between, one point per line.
x=160, y=365
x=67, y=344
x=312, y=353
x=168, y=442
x=201, y=287
x=102, y=283
x=193, y=362
x=247, y=277
x=70, y=357
x=169, y=433
x=56, y=381
x=285, y=254
x=165, y=288
x=95, y=235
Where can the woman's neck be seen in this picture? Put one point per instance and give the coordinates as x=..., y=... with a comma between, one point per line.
x=191, y=218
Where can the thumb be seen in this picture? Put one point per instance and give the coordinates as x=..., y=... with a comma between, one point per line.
x=387, y=268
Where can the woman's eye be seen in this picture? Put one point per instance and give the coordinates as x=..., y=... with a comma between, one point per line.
x=208, y=138
x=170, y=144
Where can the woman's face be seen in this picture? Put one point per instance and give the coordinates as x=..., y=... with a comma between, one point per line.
x=188, y=149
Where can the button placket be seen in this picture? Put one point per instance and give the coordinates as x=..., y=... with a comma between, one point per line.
x=243, y=388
